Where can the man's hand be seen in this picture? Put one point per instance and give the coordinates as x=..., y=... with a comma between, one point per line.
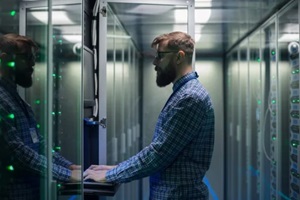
x=75, y=175
x=98, y=176
x=75, y=167
x=101, y=167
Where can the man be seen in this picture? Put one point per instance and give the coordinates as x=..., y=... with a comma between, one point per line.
x=181, y=150
x=22, y=163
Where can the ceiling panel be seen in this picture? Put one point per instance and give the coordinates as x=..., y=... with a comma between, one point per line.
x=229, y=21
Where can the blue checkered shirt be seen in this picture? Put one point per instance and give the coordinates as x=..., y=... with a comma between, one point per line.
x=22, y=164
x=181, y=150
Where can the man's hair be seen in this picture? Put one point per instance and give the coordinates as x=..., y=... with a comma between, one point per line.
x=176, y=41
x=14, y=43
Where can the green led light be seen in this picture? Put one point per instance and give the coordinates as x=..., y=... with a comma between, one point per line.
x=258, y=60
x=295, y=71
x=11, y=116
x=274, y=138
x=60, y=41
x=37, y=101
x=273, y=101
x=38, y=126
x=10, y=168
x=273, y=52
x=11, y=64
x=53, y=151
x=59, y=112
x=54, y=75
x=59, y=185
x=58, y=148
x=295, y=100
x=295, y=144
x=259, y=102
x=53, y=36
x=13, y=13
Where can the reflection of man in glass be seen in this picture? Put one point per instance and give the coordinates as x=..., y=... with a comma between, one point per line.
x=181, y=150
x=22, y=162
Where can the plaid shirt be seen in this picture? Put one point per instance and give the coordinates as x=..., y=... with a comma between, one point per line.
x=181, y=150
x=22, y=163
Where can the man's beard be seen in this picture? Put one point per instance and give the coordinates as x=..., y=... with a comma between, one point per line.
x=23, y=79
x=166, y=76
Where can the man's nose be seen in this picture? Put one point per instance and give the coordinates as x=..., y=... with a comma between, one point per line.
x=154, y=61
x=32, y=63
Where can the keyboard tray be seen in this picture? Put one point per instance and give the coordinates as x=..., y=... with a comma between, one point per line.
x=89, y=188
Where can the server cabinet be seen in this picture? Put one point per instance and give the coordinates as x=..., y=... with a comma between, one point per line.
x=272, y=114
x=288, y=75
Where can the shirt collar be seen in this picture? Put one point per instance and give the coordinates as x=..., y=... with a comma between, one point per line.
x=184, y=79
x=9, y=85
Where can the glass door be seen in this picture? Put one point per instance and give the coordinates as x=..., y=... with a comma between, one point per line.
x=56, y=94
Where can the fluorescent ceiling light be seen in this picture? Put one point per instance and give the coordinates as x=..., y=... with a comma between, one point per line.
x=118, y=36
x=205, y=3
x=201, y=15
x=197, y=37
x=149, y=9
x=289, y=37
x=60, y=7
x=58, y=17
x=72, y=38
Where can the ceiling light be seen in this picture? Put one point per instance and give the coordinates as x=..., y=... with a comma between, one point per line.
x=289, y=37
x=201, y=15
x=202, y=3
x=72, y=38
x=58, y=17
x=197, y=37
x=149, y=9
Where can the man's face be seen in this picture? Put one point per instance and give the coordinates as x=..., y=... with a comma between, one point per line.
x=165, y=66
x=24, y=63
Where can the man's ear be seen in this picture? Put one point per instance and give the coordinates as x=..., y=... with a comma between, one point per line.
x=180, y=56
x=3, y=55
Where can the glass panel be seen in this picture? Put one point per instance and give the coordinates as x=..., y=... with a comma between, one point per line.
x=37, y=95
x=270, y=125
x=255, y=114
x=26, y=168
x=288, y=75
x=231, y=151
x=228, y=122
x=242, y=113
x=63, y=103
x=67, y=84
